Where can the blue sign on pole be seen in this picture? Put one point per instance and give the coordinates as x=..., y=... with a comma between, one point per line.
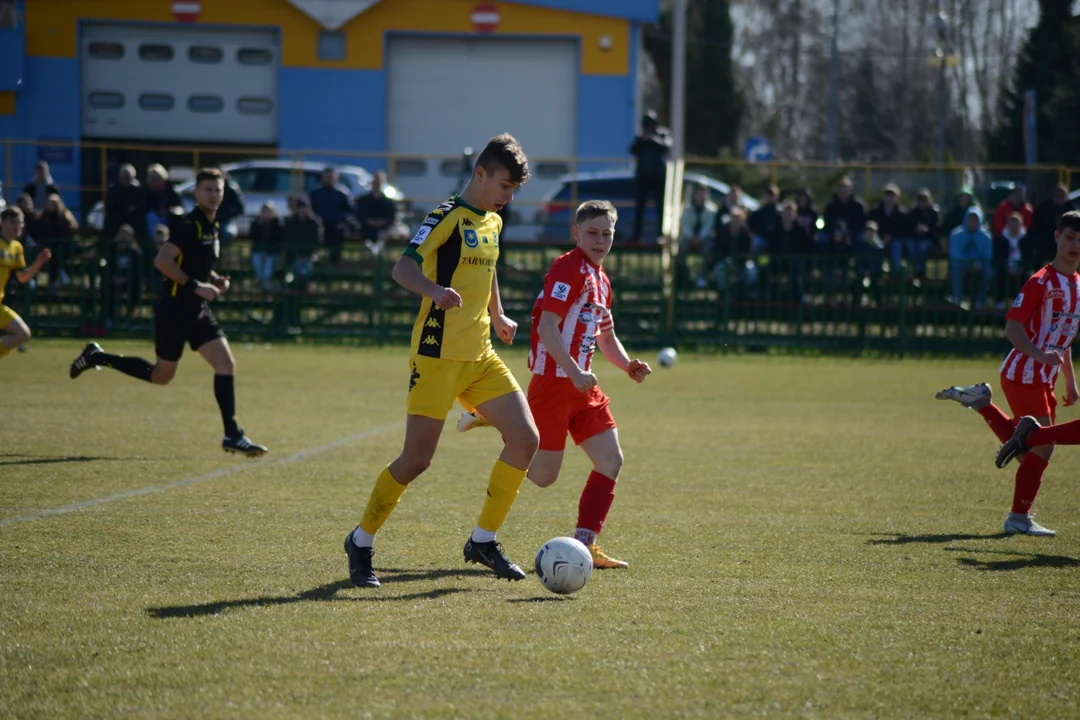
x=1031, y=130
x=758, y=149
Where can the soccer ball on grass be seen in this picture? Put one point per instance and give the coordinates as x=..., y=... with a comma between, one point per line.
x=564, y=565
x=667, y=357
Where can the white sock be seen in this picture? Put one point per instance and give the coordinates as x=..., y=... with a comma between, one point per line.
x=362, y=539
x=482, y=536
x=586, y=536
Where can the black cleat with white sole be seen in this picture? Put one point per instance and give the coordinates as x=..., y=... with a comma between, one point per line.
x=240, y=444
x=490, y=555
x=86, y=360
x=361, y=571
x=1017, y=444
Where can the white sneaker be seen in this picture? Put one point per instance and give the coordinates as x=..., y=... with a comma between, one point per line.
x=470, y=420
x=975, y=397
x=1024, y=525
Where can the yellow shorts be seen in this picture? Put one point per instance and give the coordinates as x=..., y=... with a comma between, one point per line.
x=7, y=316
x=435, y=384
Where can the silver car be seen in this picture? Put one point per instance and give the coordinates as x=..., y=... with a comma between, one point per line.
x=273, y=180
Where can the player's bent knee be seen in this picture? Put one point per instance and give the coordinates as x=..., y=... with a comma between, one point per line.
x=162, y=375
x=543, y=479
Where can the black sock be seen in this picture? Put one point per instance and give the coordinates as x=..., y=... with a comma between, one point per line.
x=136, y=367
x=226, y=399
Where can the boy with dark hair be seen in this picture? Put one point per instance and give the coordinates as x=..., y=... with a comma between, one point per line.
x=450, y=263
x=571, y=318
x=182, y=313
x=13, y=262
x=1041, y=325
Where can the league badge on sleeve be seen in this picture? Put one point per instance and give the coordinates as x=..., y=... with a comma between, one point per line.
x=421, y=235
x=561, y=291
x=1019, y=300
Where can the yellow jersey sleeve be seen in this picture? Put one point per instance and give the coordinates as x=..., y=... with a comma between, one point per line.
x=18, y=255
x=432, y=234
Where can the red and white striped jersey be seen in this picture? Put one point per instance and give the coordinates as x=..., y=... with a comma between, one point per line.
x=1048, y=307
x=580, y=293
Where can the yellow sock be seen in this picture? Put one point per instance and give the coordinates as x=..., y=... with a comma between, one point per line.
x=4, y=350
x=384, y=498
x=502, y=489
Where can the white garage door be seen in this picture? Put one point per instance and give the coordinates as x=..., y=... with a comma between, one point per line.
x=449, y=93
x=179, y=83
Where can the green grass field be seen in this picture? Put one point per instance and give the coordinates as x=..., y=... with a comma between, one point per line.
x=807, y=538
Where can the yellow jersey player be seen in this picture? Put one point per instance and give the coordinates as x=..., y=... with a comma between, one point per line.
x=450, y=263
x=13, y=260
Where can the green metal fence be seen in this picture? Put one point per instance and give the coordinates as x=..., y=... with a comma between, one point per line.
x=813, y=303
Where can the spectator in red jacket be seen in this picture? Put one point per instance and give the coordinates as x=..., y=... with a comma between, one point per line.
x=1014, y=203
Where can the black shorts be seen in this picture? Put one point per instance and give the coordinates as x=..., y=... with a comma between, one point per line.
x=178, y=322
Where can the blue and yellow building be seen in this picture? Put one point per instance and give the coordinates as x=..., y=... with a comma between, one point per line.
x=411, y=79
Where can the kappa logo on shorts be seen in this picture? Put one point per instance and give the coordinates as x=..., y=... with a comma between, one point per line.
x=421, y=235
x=432, y=323
x=430, y=340
x=471, y=240
x=561, y=291
x=1019, y=300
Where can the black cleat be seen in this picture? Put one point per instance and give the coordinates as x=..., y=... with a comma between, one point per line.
x=239, y=443
x=490, y=554
x=1017, y=444
x=86, y=360
x=360, y=571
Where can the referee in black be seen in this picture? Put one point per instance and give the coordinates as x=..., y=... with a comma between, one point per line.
x=182, y=314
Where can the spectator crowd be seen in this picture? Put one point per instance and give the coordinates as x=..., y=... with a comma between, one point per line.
x=849, y=247
x=138, y=218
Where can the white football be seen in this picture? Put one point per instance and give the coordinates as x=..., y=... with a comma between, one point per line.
x=564, y=565
x=667, y=357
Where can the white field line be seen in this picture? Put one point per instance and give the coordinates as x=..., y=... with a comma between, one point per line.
x=206, y=477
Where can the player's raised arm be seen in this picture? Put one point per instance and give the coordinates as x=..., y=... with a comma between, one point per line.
x=551, y=335
x=613, y=350
x=25, y=275
x=505, y=328
x=1014, y=331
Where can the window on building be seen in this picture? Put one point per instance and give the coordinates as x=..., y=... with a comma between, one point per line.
x=156, y=101
x=331, y=45
x=106, y=51
x=254, y=56
x=205, y=104
x=105, y=100
x=551, y=170
x=254, y=106
x=205, y=55
x=156, y=53
x=409, y=167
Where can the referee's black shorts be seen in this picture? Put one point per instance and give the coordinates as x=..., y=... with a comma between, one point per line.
x=177, y=322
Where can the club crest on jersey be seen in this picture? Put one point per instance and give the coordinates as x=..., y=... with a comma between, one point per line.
x=1019, y=300
x=561, y=291
x=471, y=240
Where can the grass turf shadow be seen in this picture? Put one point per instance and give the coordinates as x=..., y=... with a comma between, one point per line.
x=1021, y=560
x=325, y=593
x=941, y=539
x=48, y=460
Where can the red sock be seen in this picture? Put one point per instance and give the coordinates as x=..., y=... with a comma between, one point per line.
x=1028, y=479
x=595, y=502
x=1063, y=434
x=1000, y=423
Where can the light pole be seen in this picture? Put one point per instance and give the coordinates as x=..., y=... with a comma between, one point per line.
x=942, y=58
x=834, y=79
x=678, y=81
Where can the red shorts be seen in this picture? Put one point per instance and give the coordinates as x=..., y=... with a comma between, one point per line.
x=558, y=407
x=1036, y=400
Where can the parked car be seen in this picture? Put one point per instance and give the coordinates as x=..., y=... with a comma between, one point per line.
x=617, y=186
x=275, y=180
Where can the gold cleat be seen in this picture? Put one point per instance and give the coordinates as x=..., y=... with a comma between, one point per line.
x=470, y=420
x=601, y=560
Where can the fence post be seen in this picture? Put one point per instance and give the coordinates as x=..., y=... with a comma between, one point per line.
x=104, y=157
x=378, y=291
x=901, y=317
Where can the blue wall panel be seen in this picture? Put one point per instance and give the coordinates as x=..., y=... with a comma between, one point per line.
x=48, y=109
x=640, y=10
x=333, y=110
x=605, y=117
x=13, y=53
